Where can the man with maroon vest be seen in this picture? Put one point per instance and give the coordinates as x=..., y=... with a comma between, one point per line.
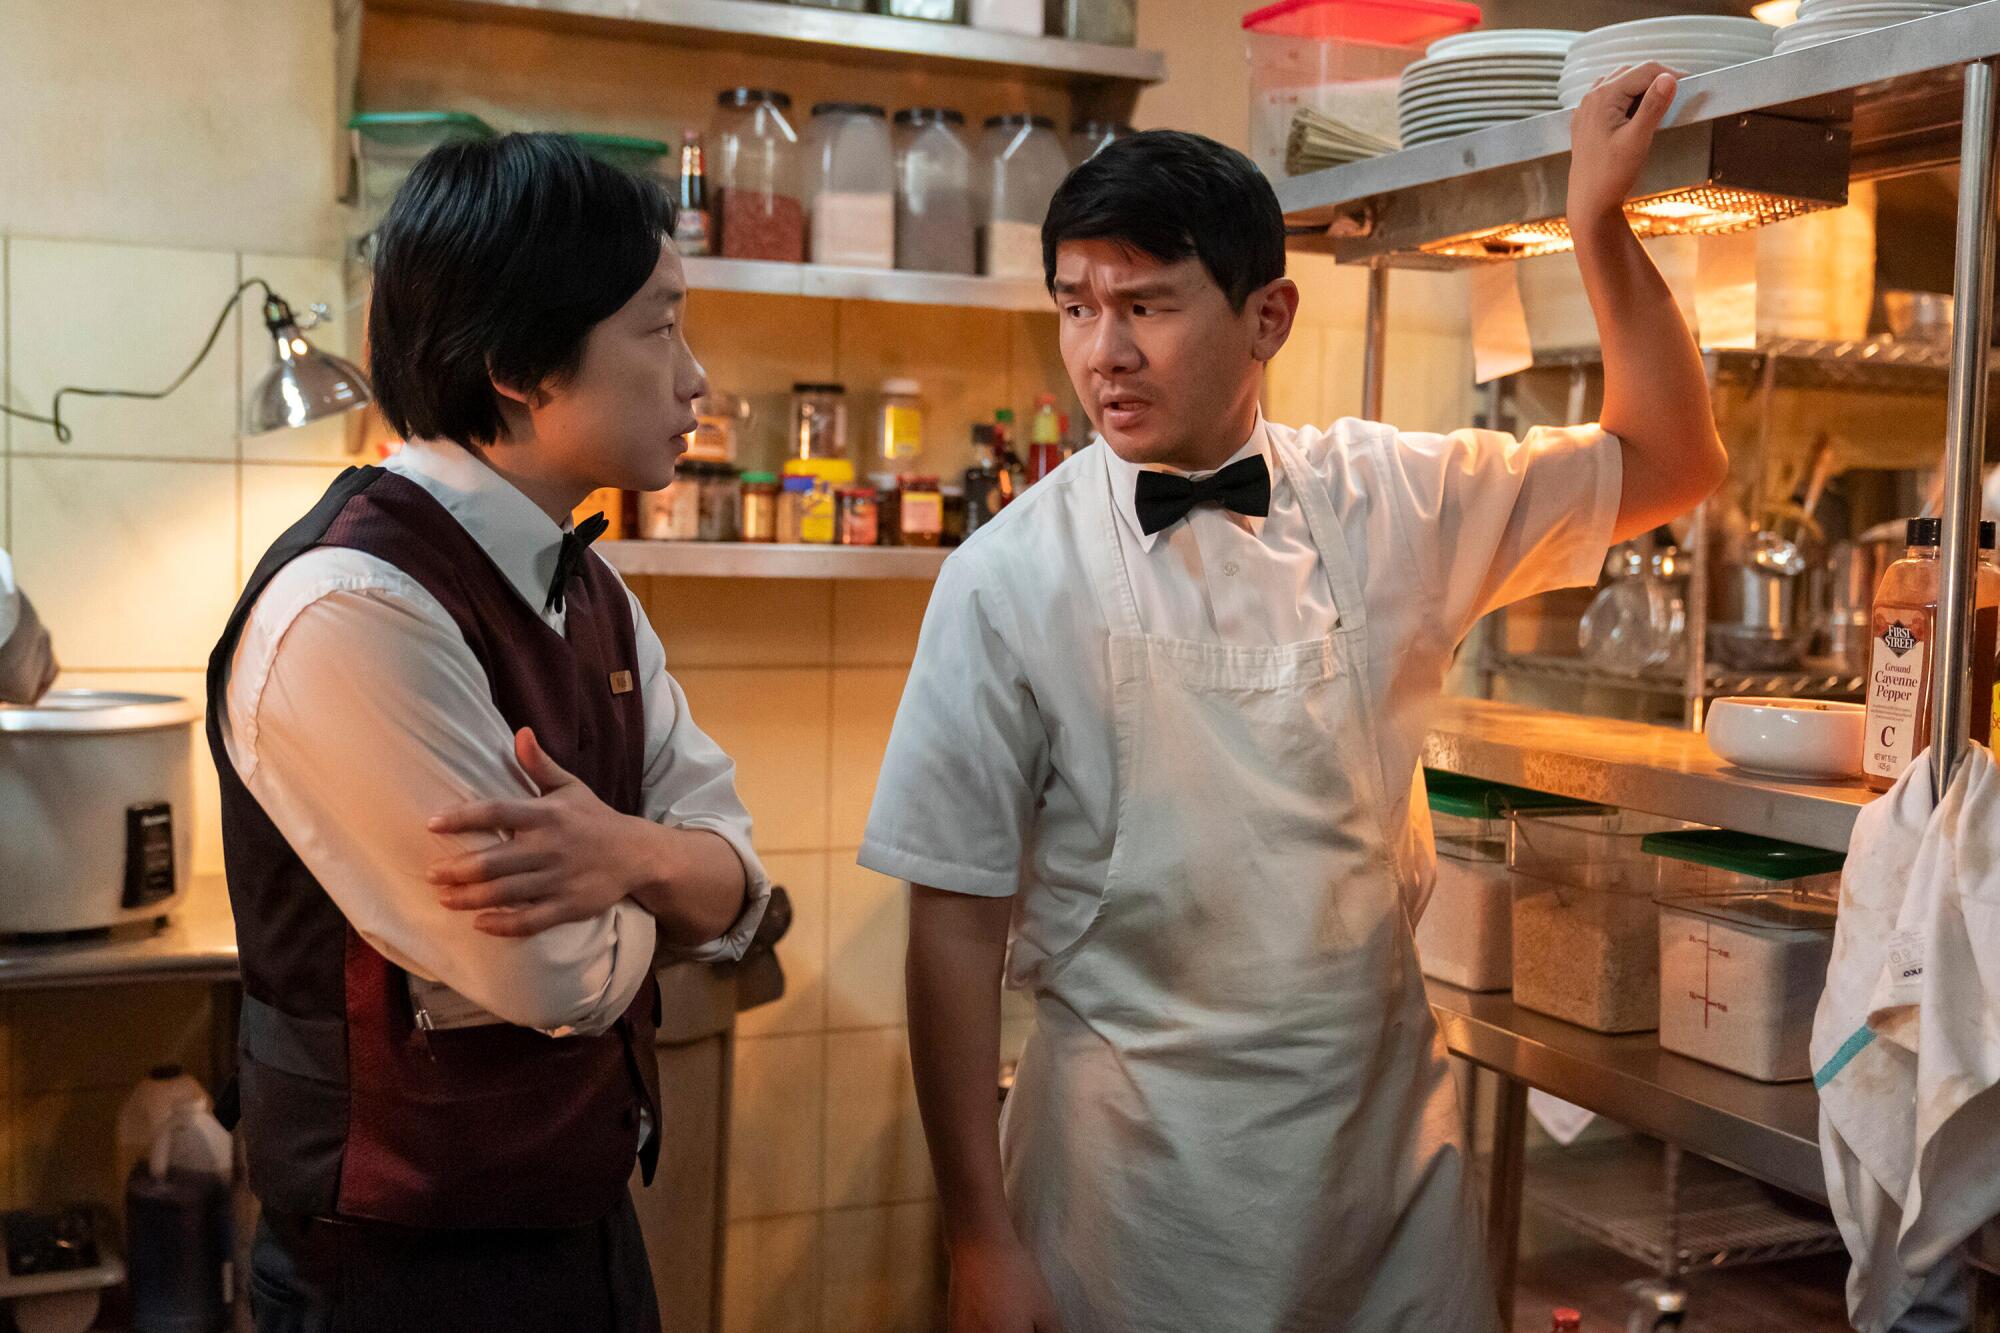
x=465, y=809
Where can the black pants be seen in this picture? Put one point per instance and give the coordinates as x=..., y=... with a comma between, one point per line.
x=318, y=1276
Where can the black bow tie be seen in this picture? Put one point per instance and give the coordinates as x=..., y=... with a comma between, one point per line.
x=569, y=561
x=1164, y=498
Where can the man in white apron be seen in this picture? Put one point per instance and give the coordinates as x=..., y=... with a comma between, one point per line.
x=1164, y=722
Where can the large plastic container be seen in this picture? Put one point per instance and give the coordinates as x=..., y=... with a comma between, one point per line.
x=1744, y=945
x=937, y=222
x=1466, y=936
x=1023, y=163
x=387, y=144
x=851, y=180
x=627, y=152
x=1586, y=926
x=756, y=177
x=1341, y=58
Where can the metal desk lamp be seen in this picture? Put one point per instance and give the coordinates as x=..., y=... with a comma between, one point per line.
x=303, y=384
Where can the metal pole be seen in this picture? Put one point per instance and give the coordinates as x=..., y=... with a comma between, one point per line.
x=1965, y=425
x=1375, y=352
x=1505, y=1168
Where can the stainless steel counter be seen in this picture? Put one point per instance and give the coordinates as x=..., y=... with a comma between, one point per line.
x=1766, y=1130
x=1660, y=770
x=198, y=943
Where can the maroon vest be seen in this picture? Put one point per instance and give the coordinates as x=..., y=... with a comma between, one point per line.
x=348, y=1107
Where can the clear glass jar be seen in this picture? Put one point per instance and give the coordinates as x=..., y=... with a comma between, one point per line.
x=1106, y=22
x=937, y=228
x=899, y=427
x=674, y=514
x=1023, y=164
x=937, y=11
x=858, y=515
x=720, y=419
x=1021, y=17
x=759, y=519
x=721, y=497
x=1088, y=138
x=851, y=180
x=755, y=174
x=919, y=511
x=819, y=422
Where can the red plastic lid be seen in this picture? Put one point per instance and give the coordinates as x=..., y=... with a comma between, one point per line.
x=1379, y=22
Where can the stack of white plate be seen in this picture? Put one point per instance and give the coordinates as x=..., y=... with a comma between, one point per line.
x=1831, y=20
x=1690, y=43
x=1480, y=79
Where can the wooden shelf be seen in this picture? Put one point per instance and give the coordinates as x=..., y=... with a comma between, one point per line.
x=867, y=38
x=758, y=560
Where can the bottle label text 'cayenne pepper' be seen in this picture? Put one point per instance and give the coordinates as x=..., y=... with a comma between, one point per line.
x=1895, y=695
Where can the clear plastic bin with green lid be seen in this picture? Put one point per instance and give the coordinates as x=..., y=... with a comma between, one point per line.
x=387, y=144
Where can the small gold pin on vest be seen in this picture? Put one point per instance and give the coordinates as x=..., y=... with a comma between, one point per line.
x=621, y=682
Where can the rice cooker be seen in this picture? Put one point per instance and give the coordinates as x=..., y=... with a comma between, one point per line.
x=96, y=810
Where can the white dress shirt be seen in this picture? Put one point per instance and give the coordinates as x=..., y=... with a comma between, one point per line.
x=27, y=663
x=1001, y=773
x=356, y=711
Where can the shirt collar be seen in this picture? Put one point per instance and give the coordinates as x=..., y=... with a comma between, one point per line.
x=1125, y=483
x=522, y=540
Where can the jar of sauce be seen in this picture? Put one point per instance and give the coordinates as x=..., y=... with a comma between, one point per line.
x=920, y=510
x=858, y=516
x=759, y=517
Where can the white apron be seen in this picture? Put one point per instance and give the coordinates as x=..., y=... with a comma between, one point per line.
x=1235, y=1113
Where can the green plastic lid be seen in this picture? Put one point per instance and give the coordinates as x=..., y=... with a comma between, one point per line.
x=1475, y=798
x=760, y=479
x=416, y=129
x=623, y=150
x=1743, y=854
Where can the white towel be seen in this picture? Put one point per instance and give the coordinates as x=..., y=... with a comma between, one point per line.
x=1906, y=1043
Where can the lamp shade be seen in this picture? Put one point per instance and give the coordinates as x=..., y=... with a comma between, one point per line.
x=303, y=384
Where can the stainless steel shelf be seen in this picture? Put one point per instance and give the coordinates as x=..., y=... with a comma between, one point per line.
x=1897, y=89
x=1660, y=770
x=1721, y=680
x=1769, y=1131
x=856, y=38
x=1615, y=1194
x=1877, y=365
x=867, y=284
x=197, y=943
x=758, y=560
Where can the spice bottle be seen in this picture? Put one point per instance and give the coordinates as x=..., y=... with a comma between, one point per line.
x=1045, y=447
x=1903, y=664
x=693, y=236
x=857, y=513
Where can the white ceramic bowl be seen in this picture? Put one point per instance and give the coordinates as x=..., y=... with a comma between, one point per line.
x=1788, y=738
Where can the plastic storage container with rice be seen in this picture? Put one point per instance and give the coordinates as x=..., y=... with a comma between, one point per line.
x=1586, y=926
x=1466, y=935
x=1746, y=931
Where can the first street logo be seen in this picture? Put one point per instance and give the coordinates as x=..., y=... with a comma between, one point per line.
x=1899, y=639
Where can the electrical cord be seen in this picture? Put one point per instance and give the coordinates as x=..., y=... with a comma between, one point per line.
x=62, y=430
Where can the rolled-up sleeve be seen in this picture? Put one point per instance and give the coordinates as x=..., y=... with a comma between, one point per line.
x=691, y=784
x=1487, y=519
x=968, y=755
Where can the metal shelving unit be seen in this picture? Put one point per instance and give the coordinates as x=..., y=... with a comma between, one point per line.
x=758, y=560
x=757, y=25
x=867, y=284
x=1721, y=681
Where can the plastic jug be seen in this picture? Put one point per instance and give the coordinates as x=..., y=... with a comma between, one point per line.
x=179, y=1233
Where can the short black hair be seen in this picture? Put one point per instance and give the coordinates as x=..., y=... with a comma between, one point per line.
x=495, y=261
x=1169, y=195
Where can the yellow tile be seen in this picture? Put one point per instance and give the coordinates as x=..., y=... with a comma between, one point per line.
x=131, y=563
x=771, y=1276
x=802, y=951
x=109, y=1037
x=300, y=282
x=774, y=723
x=274, y=498
x=1292, y=382
x=885, y=1269
x=868, y=927
x=742, y=622
x=775, y=1127
x=126, y=317
x=864, y=710
x=759, y=347
x=875, y=1149
x=193, y=686
x=875, y=623
x=65, y=1148
x=959, y=357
